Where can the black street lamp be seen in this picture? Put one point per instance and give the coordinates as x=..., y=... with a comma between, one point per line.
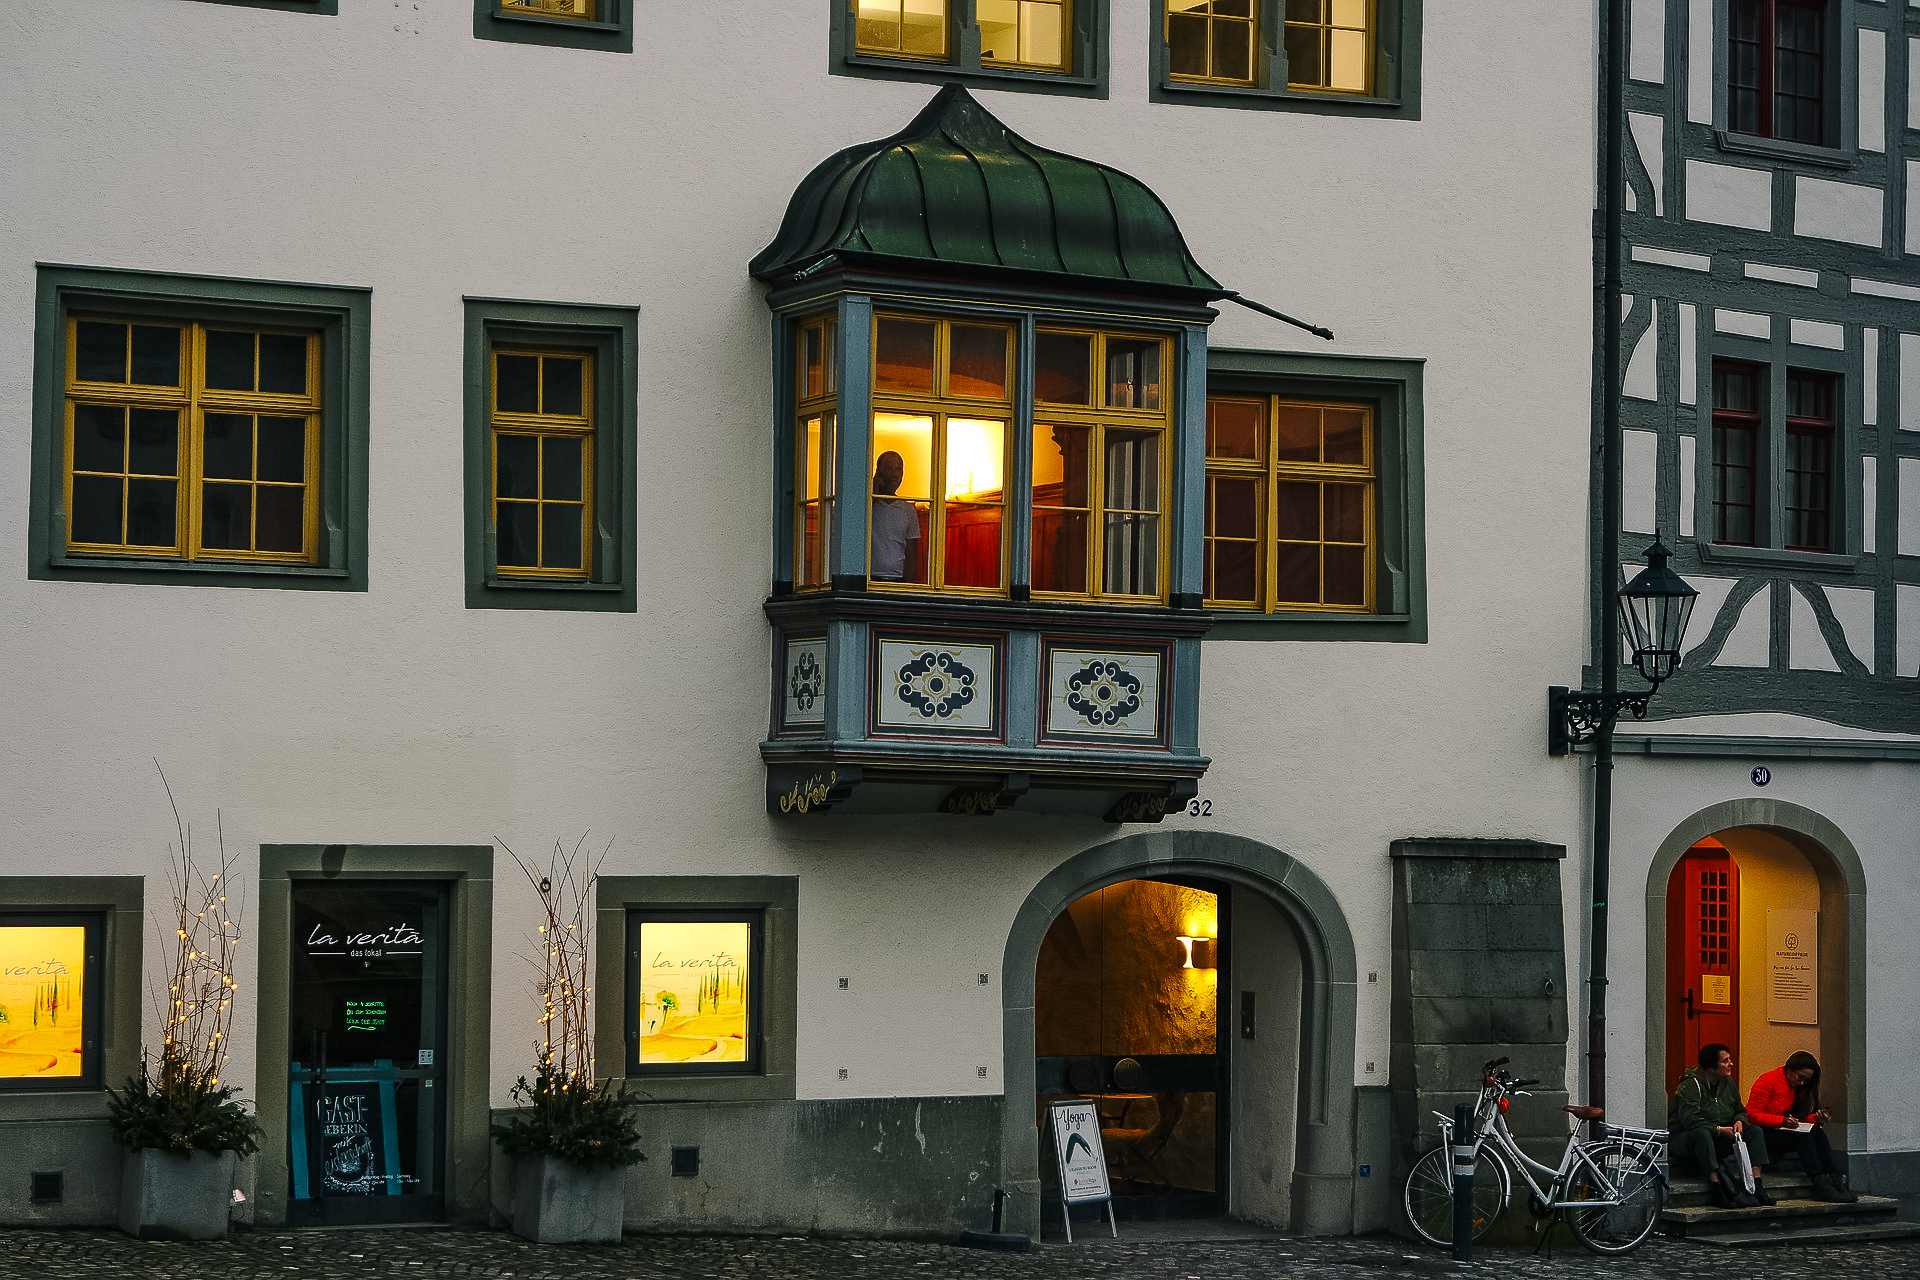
x=1654, y=609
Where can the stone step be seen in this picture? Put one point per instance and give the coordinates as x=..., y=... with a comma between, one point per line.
x=1682, y=1192
x=1789, y=1217
x=1858, y=1233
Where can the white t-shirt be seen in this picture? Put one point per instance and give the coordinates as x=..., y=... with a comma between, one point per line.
x=895, y=524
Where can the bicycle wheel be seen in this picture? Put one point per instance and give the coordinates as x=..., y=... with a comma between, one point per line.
x=1622, y=1227
x=1429, y=1195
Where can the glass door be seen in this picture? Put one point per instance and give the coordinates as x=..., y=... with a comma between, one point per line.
x=368, y=1037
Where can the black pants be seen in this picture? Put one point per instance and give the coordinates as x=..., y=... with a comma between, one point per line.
x=1703, y=1149
x=1815, y=1152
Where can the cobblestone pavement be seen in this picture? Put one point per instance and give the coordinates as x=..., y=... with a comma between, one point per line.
x=422, y=1254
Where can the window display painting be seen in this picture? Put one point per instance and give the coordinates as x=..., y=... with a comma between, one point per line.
x=693, y=990
x=42, y=968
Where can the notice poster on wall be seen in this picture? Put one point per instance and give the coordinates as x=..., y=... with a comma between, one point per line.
x=41, y=973
x=1793, y=963
x=1083, y=1161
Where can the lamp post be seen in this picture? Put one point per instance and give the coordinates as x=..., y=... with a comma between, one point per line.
x=1654, y=609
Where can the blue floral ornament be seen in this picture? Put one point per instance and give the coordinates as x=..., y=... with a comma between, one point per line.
x=936, y=684
x=808, y=681
x=1104, y=692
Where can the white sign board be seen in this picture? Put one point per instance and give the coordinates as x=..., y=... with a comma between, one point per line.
x=1793, y=963
x=1083, y=1161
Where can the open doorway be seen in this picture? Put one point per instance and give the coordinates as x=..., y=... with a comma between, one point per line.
x=1128, y=1011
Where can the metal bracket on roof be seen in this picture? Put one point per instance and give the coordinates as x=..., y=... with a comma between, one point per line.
x=1317, y=331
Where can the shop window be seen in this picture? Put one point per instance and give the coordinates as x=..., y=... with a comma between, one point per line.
x=573, y=24
x=696, y=989
x=1777, y=79
x=1314, y=524
x=1335, y=56
x=191, y=428
x=1754, y=439
x=550, y=443
x=49, y=1000
x=1050, y=45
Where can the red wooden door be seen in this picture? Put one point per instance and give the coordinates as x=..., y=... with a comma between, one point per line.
x=1703, y=955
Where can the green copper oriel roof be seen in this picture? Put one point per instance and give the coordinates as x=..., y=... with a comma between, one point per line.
x=959, y=189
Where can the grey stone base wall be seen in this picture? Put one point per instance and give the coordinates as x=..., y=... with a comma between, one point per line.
x=78, y=1149
x=1887, y=1173
x=1479, y=972
x=907, y=1167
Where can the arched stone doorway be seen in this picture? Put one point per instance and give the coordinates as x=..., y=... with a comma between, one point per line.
x=1783, y=858
x=1319, y=1195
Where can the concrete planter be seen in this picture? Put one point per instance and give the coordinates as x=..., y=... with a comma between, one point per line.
x=557, y=1202
x=165, y=1196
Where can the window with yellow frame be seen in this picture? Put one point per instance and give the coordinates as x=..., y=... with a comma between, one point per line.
x=542, y=461
x=1290, y=510
x=1030, y=35
x=1102, y=420
x=1328, y=43
x=191, y=441
x=815, y=435
x=579, y=10
x=1212, y=41
x=942, y=414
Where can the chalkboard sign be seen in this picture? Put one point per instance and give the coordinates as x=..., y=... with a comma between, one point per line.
x=1083, y=1161
x=345, y=1142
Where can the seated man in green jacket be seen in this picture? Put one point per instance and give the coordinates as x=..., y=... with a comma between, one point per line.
x=1707, y=1118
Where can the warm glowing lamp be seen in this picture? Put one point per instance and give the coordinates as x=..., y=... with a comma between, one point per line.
x=1199, y=953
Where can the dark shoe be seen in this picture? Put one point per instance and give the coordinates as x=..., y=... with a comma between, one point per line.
x=1824, y=1188
x=1717, y=1195
x=1760, y=1193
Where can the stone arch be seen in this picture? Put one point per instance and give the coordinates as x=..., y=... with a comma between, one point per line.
x=1843, y=900
x=1322, y=1191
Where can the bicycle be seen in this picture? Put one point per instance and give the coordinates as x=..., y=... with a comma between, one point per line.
x=1609, y=1191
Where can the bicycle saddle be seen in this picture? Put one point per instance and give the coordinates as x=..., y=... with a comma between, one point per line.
x=1586, y=1113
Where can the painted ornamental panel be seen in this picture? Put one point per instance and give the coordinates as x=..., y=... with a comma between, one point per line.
x=1103, y=694
x=804, y=683
x=935, y=686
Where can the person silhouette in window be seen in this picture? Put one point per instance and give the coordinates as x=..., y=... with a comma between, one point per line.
x=895, y=522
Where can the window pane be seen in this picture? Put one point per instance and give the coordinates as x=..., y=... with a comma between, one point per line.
x=923, y=26
x=150, y=513
x=813, y=360
x=1296, y=433
x=517, y=535
x=1060, y=471
x=156, y=355
x=283, y=449
x=560, y=543
x=281, y=523
x=100, y=352
x=1233, y=572
x=1186, y=45
x=1042, y=40
x=1059, y=550
x=562, y=478
x=694, y=1000
x=999, y=22
x=42, y=982
x=99, y=440
x=1347, y=60
x=1297, y=573
x=516, y=384
x=1234, y=428
x=563, y=386
x=902, y=490
x=1297, y=511
x=226, y=517
x=154, y=449
x=1346, y=436
x=229, y=360
x=1347, y=13
x=94, y=513
x=1304, y=58
x=1233, y=507
x=1346, y=580
x=516, y=466
x=1133, y=470
x=975, y=466
x=903, y=356
x=977, y=361
x=1131, y=555
x=1063, y=368
x=1232, y=51
x=1346, y=513
x=228, y=449
x=1061, y=486
x=1305, y=10
x=283, y=363
x=1133, y=373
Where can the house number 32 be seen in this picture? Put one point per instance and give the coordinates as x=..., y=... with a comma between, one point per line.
x=1198, y=808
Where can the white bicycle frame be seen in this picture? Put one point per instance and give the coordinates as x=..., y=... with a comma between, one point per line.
x=1647, y=1145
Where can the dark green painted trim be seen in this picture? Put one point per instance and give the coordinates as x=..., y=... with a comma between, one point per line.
x=121, y=902
x=327, y=8
x=1396, y=66
x=1755, y=747
x=1395, y=386
x=778, y=897
x=1088, y=79
x=613, y=335
x=342, y=313
x=468, y=869
x=613, y=35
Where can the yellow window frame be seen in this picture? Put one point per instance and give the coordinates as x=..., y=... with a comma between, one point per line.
x=941, y=405
x=1214, y=21
x=1270, y=472
x=193, y=400
x=815, y=403
x=1101, y=418
x=542, y=427
x=898, y=49
x=1022, y=10
x=1326, y=26
x=572, y=10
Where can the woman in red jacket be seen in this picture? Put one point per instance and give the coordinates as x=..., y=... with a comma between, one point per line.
x=1784, y=1099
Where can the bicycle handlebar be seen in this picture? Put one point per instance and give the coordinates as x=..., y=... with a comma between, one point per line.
x=1521, y=1084
x=1497, y=1062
